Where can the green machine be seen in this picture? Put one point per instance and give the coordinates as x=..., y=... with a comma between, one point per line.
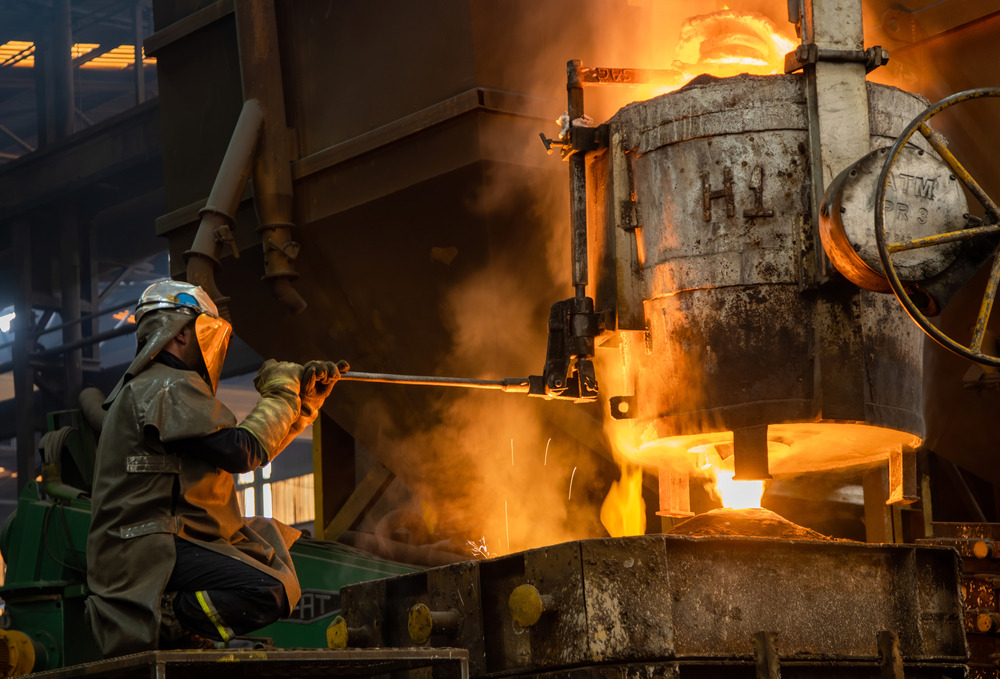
x=44, y=545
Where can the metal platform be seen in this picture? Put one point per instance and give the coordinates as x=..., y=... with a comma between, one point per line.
x=263, y=664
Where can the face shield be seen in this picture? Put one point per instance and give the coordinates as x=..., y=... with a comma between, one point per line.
x=213, y=340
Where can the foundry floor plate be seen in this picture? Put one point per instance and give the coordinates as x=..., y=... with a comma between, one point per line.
x=265, y=664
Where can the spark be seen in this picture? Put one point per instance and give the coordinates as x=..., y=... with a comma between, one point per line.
x=511, y=453
x=571, y=477
x=546, y=460
x=479, y=549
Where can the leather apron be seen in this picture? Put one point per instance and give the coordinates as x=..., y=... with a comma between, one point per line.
x=144, y=496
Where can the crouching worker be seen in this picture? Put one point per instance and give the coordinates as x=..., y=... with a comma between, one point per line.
x=171, y=562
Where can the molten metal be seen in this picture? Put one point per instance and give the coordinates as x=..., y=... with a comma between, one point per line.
x=737, y=494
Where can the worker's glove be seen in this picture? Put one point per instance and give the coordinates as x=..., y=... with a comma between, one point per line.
x=318, y=378
x=278, y=407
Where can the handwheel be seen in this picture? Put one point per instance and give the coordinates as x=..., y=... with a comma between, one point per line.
x=991, y=225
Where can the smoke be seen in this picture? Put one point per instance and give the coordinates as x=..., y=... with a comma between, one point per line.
x=503, y=470
x=507, y=471
x=498, y=467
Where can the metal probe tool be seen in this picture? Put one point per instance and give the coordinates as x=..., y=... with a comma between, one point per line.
x=516, y=385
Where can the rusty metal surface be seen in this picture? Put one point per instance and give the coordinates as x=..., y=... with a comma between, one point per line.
x=979, y=546
x=736, y=336
x=282, y=664
x=656, y=598
x=967, y=531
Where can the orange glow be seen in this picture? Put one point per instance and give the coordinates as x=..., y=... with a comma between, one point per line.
x=124, y=314
x=120, y=57
x=81, y=48
x=13, y=48
x=729, y=42
x=737, y=494
x=117, y=58
x=623, y=511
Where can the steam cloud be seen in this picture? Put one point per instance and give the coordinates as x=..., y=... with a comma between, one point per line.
x=460, y=468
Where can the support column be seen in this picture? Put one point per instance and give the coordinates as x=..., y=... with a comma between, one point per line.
x=24, y=374
x=54, y=75
x=140, y=69
x=70, y=288
x=42, y=72
x=878, y=515
x=61, y=53
x=91, y=294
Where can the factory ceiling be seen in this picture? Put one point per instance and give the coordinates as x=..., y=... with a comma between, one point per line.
x=85, y=136
x=103, y=35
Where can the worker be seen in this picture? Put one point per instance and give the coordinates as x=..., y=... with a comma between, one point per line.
x=171, y=562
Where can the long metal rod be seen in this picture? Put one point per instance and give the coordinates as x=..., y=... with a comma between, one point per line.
x=577, y=183
x=942, y=238
x=508, y=384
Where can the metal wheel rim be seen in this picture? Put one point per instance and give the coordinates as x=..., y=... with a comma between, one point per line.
x=888, y=267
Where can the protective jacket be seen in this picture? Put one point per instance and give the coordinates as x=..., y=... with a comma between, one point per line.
x=143, y=496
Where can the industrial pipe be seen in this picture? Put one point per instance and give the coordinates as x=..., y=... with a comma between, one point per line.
x=217, y=217
x=91, y=405
x=260, y=69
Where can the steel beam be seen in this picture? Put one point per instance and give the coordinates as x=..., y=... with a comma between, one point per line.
x=69, y=274
x=436, y=116
x=837, y=101
x=189, y=24
x=883, y=521
x=112, y=146
x=24, y=374
x=375, y=481
x=61, y=53
x=140, y=70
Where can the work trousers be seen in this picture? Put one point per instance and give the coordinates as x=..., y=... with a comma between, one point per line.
x=219, y=597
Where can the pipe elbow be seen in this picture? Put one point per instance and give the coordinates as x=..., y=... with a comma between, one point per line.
x=92, y=406
x=201, y=271
x=287, y=294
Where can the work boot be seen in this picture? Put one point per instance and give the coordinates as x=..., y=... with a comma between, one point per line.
x=172, y=635
x=170, y=627
x=251, y=643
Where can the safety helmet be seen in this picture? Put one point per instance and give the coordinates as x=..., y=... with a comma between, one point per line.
x=175, y=295
x=164, y=309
